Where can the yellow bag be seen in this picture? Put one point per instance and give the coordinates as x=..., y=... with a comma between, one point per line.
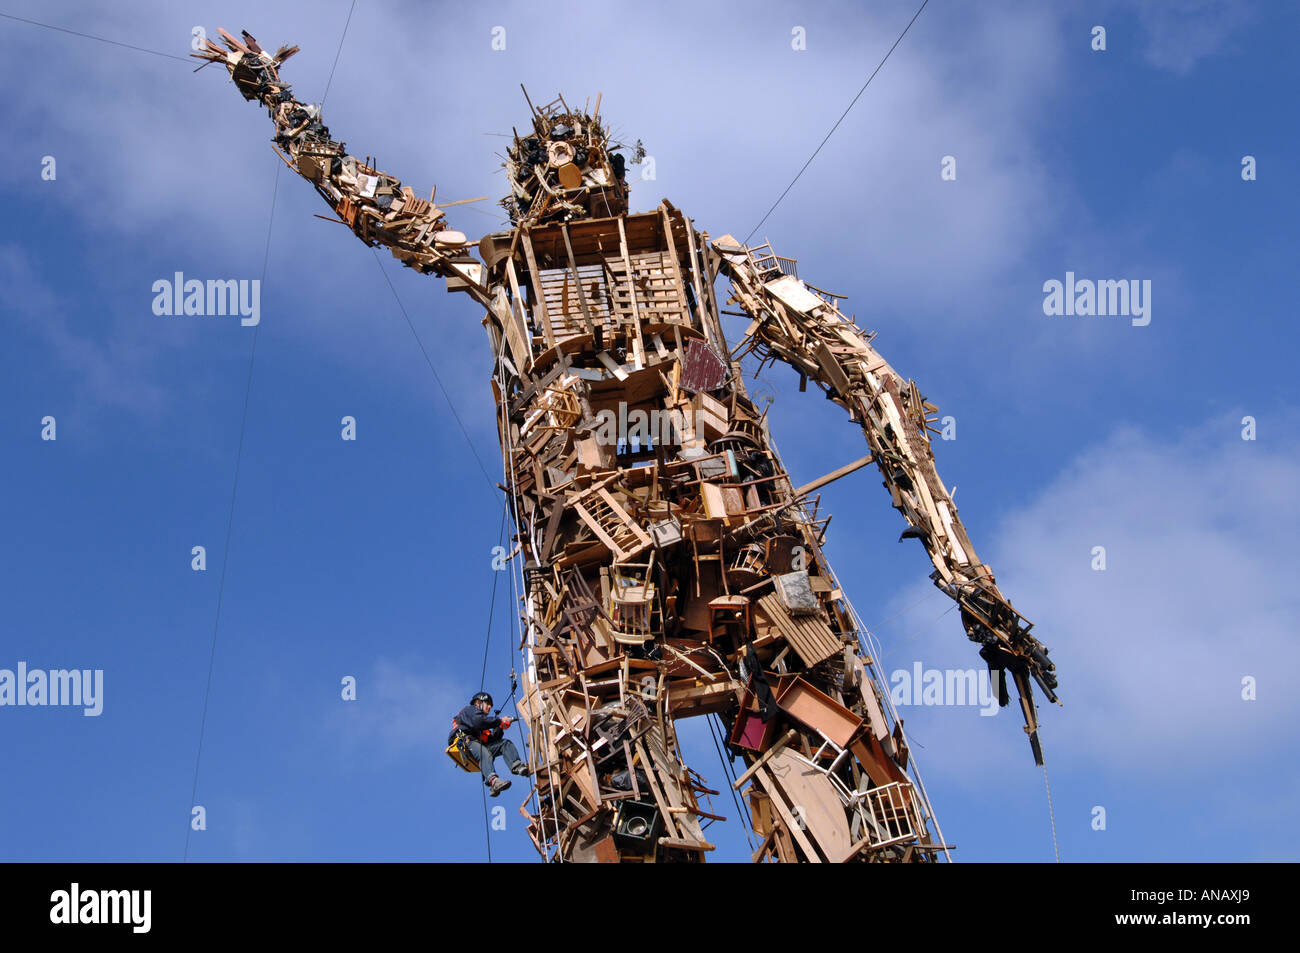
x=459, y=752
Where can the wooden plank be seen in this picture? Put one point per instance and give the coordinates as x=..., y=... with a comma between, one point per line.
x=666, y=765
x=642, y=537
x=612, y=365
x=831, y=369
x=678, y=281
x=652, y=776
x=519, y=346
x=702, y=699
x=552, y=527
x=631, y=287
x=764, y=758
x=774, y=795
x=764, y=847
x=832, y=476
x=820, y=807
x=810, y=637
x=573, y=267
x=701, y=304
x=535, y=275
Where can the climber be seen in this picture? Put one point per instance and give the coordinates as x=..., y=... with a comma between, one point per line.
x=484, y=737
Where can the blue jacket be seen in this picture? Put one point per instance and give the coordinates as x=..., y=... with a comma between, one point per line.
x=473, y=722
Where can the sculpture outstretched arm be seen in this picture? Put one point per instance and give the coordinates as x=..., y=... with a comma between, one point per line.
x=375, y=205
x=804, y=328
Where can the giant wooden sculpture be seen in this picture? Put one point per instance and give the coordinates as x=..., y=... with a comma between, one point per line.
x=672, y=568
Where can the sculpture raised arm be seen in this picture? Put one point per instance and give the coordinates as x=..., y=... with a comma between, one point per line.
x=378, y=208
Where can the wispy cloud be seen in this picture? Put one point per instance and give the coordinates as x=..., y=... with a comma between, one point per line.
x=1181, y=33
x=402, y=707
x=1198, y=594
x=110, y=362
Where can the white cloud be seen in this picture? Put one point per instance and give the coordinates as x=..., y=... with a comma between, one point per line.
x=114, y=372
x=872, y=211
x=1180, y=33
x=1199, y=592
x=401, y=708
x=178, y=164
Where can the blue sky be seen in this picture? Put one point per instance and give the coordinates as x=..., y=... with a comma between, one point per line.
x=372, y=558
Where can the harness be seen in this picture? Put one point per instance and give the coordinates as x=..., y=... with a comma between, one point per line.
x=458, y=749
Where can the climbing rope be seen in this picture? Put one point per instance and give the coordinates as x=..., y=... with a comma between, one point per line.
x=729, y=774
x=1051, y=811
x=492, y=606
x=508, y=463
x=487, y=828
x=482, y=678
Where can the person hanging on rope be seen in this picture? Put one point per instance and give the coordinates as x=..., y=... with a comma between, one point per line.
x=485, y=738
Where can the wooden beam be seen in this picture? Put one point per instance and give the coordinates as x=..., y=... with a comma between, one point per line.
x=764, y=758
x=577, y=280
x=543, y=318
x=680, y=282
x=701, y=306
x=831, y=477
x=522, y=348
x=773, y=790
x=631, y=290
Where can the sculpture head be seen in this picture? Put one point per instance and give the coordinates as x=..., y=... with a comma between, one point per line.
x=565, y=168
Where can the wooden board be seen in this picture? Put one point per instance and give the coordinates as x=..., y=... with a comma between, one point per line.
x=810, y=637
x=820, y=808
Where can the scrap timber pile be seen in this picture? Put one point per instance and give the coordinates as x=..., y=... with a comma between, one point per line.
x=562, y=170
x=671, y=566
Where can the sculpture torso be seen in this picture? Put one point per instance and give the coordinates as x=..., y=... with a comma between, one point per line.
x=671, y=570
